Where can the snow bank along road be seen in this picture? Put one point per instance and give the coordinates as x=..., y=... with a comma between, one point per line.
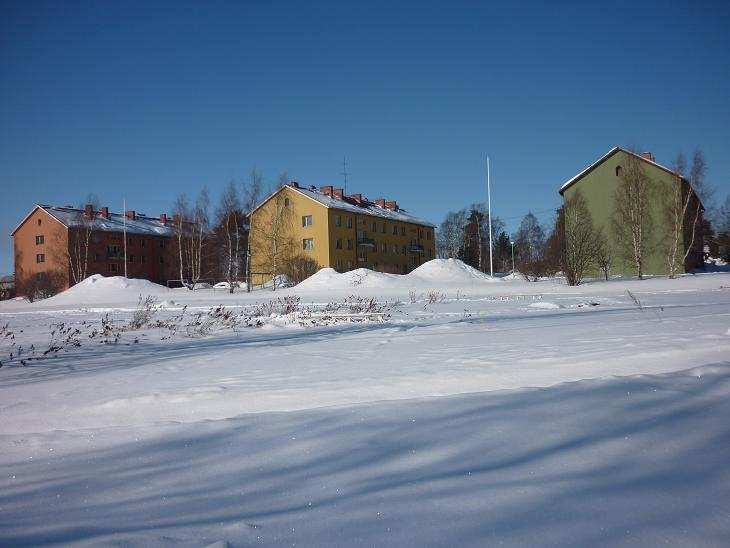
x=282, y=434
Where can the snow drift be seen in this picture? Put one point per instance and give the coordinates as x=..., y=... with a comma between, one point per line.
x=102, y=289
x=437, y=272
x=451, y=271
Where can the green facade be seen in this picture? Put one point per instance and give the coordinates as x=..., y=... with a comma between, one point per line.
x=598, y=187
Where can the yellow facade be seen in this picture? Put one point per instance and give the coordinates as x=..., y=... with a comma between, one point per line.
x=340, y=238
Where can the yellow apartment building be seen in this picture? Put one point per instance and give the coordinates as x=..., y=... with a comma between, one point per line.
x=337, y=231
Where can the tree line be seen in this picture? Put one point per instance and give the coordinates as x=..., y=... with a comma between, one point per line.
x=575, y=247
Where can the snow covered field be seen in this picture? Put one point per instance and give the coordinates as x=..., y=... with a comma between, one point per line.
x=471, y=411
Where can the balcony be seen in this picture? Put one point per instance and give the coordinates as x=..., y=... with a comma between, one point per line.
x=415, y=248
x=366, y=242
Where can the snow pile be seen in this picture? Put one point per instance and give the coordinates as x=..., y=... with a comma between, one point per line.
x=329, y=278
x=98, y=289
x=450, y=271
x=437, y=272
x=544, y=305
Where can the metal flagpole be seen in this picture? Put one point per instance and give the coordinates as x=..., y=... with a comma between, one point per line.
x=124, y=221
x=489, y=205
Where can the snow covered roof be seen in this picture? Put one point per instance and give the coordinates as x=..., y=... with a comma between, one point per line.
x=73, y=217
x=605, y=157
x=364, y=207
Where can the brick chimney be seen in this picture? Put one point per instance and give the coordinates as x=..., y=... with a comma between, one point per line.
x=131, y=215
x=392, y=205
x=89, y=211
x=338, y=193
x=104, y=212
x=163, y=218
x=328, y=190
x=380, y=202
x=356, y=197
x=648, y=155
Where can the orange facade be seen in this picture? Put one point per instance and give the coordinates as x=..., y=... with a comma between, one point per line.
x=41, y=245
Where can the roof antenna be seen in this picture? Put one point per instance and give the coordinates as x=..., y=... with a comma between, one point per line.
x=344, y=173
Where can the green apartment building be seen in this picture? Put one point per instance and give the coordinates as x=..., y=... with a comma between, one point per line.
x=598, y=183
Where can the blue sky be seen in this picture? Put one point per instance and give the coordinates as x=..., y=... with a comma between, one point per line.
x=145, y=100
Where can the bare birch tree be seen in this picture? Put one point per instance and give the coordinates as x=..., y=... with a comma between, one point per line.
x=580, y=247
x=683, y=210
x=632, y=221
x=75, y=252
x=251, y=196
x=181, y=212
x=604, y=254
x=451, y=235
x=272, y=228
x=197, y=234
x=229, y=231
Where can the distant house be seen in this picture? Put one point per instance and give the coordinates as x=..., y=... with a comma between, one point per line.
x=7, y=287
x=340, y=231
x=44, y=245
x=598, y=183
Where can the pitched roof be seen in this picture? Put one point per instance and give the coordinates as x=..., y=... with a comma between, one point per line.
x=73, y=217
x=365, y=207
x=605, y=157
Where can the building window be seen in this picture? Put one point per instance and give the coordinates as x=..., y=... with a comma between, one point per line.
x=40, y=258
x=162, y=243
x=131, y=258
x=308, y=244
x=382, y=228
x=394, y=249
x=339, y=264
x=430, y=253
x=162, y=260
x=349, y=222
x=338, y=220
x=40, y=275
x=143, y=259
x=404, y=250
x=141, y=243
x=428, y=234
x=374, y=226
x=383, y=247
x=402, y=231
x=286, y=202
x=395, y=230
x=39, y=240
x=618, y=171
x=113, y=267
x=349, y=244
x=39, y=222
x=349, y=265
x=338, y=243
x=96, y=257
x=307, y=220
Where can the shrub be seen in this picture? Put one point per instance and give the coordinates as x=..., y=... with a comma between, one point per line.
x=42, y=285
x=300, y=268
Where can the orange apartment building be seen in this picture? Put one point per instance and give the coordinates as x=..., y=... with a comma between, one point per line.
x=43, y=238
